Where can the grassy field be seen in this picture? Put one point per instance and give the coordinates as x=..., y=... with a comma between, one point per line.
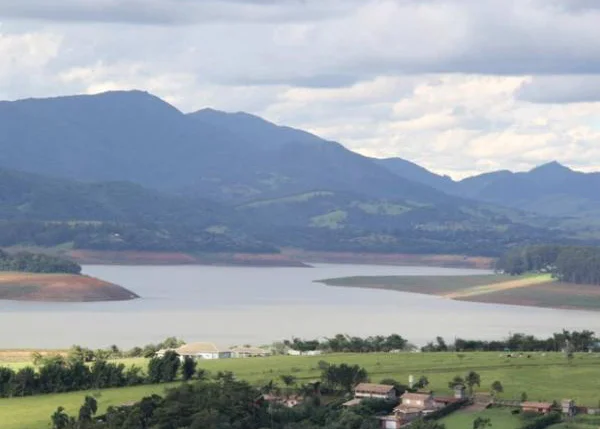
x=530, y=290
x=547, y=378
x=34, y=412
x=501, y=418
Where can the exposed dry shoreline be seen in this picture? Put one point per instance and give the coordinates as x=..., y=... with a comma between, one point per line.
x=287, y=258
x=59, y=288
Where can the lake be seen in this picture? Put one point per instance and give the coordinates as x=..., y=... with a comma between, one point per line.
x=234, y=305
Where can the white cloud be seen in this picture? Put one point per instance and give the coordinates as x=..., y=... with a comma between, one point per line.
x=459, y=86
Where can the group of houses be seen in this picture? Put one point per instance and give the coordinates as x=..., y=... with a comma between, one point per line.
x=413, y=405
x=420, y=404
x=211, y=351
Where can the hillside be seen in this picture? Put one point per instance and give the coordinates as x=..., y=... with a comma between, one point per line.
x=550, y=189
x=134, y=136
x=126, y=171
x=44, y=211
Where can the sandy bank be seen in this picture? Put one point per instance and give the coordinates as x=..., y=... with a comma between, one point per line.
x=59, y=288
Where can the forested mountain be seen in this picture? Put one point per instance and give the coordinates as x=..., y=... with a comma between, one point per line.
x=416, y=173
x=137, y=137
x=125, y=170
x=550, y=189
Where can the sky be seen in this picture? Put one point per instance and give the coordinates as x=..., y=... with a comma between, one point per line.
x=459, y=86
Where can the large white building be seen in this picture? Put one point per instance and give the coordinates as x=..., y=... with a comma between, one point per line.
x=199, y=351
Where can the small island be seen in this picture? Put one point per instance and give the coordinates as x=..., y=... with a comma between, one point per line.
x=28, y=276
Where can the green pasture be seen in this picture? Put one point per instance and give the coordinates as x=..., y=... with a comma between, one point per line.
x=543, y=377
x=500, y=418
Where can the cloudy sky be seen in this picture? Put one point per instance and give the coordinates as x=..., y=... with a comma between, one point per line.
x=459, y=86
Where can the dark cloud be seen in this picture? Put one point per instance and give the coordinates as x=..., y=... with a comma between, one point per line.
x=171, y=12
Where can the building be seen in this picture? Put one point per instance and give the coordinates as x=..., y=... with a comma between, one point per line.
x=375, y=391
x=198, y=351
x=415, y=405
x=244, y=352
x=536, y=407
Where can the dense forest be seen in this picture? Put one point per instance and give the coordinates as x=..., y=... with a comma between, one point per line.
x=571, y=264
x=36, y=263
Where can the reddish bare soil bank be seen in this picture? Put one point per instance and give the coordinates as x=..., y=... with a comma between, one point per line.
x=94, y=257
x=59, y=288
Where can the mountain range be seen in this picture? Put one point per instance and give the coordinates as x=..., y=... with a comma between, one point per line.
x=129, y=161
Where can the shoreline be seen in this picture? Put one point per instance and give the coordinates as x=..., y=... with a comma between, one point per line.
x=291, y=258
x=497, y=290
x=57, y=287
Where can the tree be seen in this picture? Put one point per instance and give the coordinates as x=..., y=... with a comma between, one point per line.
x=456, y=381
x=344, y=376
x=524, y=397
x=497, y=388
x=481, y=423
x=60, y=419
x=288, y=381
x=472, y=379
x=422, y=383
x=188, y=368
x=87, y=410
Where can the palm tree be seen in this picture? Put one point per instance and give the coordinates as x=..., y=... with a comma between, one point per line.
x=289, y=381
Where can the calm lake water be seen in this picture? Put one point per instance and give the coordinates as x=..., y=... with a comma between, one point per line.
x=232, y=305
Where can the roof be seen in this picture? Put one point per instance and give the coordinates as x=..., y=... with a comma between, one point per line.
x=197, y=348
x=416, y=396
x=374, y=388
x=446, y=399
x=536, y=405
x=407, y=409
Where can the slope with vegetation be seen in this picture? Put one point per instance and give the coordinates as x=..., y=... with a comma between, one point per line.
x=150, y=177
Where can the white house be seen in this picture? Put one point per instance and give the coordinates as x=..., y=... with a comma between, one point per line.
x=198, y=351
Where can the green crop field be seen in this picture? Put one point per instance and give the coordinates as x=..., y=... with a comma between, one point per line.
x=500, y=418
x=548, y=377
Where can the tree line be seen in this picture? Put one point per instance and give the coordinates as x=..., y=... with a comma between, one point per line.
x=37, y=263
x=57, y=374
x=341, y=343
x=570, y=264
x=571, y=341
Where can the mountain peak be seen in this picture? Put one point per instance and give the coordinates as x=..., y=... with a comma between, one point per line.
x=552, y=166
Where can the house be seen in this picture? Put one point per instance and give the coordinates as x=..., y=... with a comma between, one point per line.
x=244, y=352
x=536, y=407
x=202, y=351
x=415, y=405
x=375, y=391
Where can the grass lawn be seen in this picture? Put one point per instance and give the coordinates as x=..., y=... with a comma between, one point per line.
x=34, y=412
x=501, y=418
x=547, y=377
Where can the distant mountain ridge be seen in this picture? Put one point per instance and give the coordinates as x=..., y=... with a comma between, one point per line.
x=550, y=189
x=157, y=178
